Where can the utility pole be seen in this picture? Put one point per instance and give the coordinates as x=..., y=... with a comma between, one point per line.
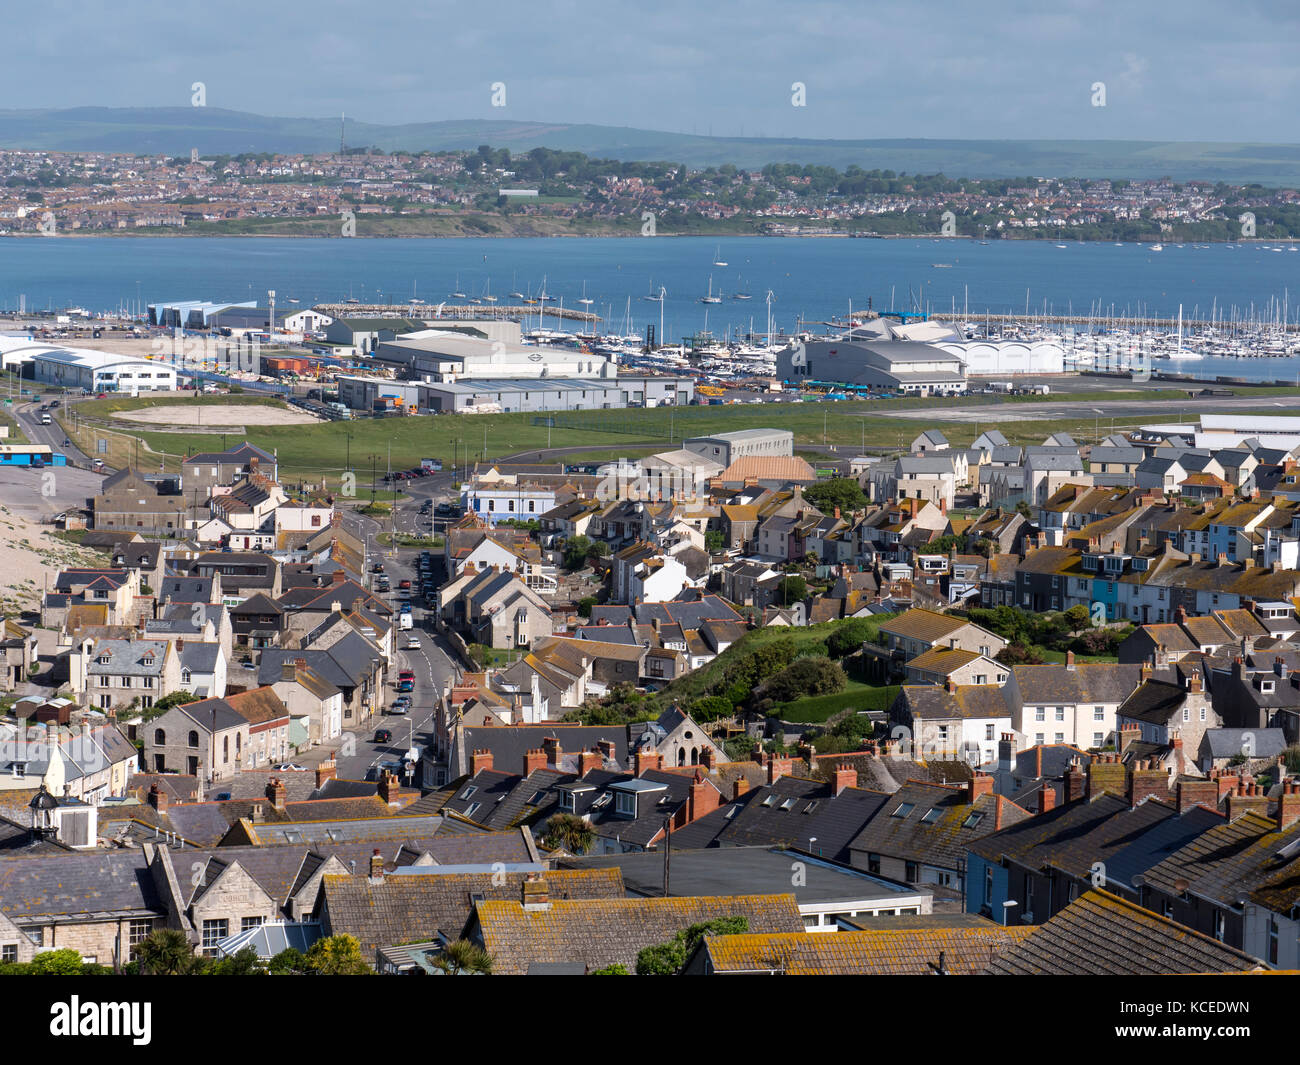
x=374, y=459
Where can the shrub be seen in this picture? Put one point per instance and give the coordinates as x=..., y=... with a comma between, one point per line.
x=807, y=676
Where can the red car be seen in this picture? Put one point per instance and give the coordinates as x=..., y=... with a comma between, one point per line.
x=403, y=585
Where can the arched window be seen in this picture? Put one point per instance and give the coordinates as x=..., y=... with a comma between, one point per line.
x=681, y=755
x=159, y=737
x=225, y=749
x=194, y=738
x=695, y=756
x=239, y=744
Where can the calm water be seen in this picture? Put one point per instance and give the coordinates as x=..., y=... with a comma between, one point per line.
x=811, y=279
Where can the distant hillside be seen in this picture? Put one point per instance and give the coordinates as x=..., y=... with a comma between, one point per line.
x=175, y=130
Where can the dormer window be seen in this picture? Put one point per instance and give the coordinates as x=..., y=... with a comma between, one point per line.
x=1266, y=686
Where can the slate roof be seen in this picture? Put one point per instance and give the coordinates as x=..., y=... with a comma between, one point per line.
x=81, y=883
x=1230, y=859
x=764, y=817
x=882, y=952
x=424, y=906
x=937, y=829
x=1100, y=934
x=612, y=931
x=1095, y=682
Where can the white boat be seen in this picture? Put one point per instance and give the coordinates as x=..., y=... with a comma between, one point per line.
x=711, y=298
x=718, y=260
x=457, y=295
x=584, y=301
x=1157, y=247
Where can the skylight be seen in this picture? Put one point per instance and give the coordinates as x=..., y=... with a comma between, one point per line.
x=973, y=820
x=931, y=815
x=904, y=808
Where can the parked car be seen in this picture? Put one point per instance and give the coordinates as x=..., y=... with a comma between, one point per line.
x=383, y=735
x=412, y=643
x=290, y=767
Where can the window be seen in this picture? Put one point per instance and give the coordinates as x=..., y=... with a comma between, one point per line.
x=873, y=863
x=247, y=924
x=911, y=872
x=1099, y=713
x=1202, y=713
x=1038, y=738
x=1098, y=738
x=931, y=816
x=903, y=809
x=472, y=809
x=1272, y=940
x=1040, y=713
x=1218, y=925
x=193, y=740
x=973, y=820
x=1060, y=713
x=625, y=804
x=213, y=932
x=1060, y=737
x=1187, y=713
x=988, y=732
x=988, y=885
x=8, y=952
x=468, y=791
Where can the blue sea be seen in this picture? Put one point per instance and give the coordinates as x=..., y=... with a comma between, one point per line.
x=811, y=279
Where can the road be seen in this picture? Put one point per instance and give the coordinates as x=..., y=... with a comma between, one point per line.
x=434, y=663
x=1189, y=410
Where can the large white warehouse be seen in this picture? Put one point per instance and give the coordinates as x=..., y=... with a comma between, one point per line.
x=998, y=357
x=101, y=371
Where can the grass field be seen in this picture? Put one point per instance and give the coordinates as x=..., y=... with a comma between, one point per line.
x=816, y=709
x=330, y=446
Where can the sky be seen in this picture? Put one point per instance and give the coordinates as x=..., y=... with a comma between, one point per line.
x=1060, y=69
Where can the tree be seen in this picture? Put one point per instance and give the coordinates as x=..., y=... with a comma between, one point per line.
x=337, y=956
x=711, y=708
x=849, y=636
x=1079, y=617
x=463, y=958
x=667, y=959
x=166, y=952
x=570, y=832
x=576, y=551
x=611, y=970
x=243, y=963
x=791, y=589
x=289, y=962
x=585, y=604
x=805, y=676
x=714, y=541
x=842, y=492
x=56, y=963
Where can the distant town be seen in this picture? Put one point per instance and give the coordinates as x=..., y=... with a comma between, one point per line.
x=489, y=192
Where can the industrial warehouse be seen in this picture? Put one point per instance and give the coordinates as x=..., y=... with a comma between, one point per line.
x=906, y=366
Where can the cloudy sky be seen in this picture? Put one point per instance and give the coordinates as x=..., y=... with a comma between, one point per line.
x=1196, y=70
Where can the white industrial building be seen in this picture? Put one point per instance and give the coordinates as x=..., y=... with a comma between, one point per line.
x=993, y=358
x=101, y=371
x=444, y=355
x=906, y=366
x=1228, y=430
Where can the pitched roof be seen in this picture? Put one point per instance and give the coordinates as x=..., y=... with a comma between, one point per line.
x=1100, y=934
x=612, y=931
x=878, y=952
x=422, y=906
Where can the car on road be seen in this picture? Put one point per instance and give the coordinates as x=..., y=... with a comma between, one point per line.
x=404, y=584
x=383, y=735
x=399, y=709
x=412, y=643
x=378, y=567
x=290, y=767
x=98, y=464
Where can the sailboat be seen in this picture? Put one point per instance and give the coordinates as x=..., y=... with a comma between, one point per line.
x=584, y=301
x=514, y=284
x=711, y=298
x=487, y=292
x=414, y=297
x=718, y=260
x=458, y=294
x=655, y=297
x=740, y=293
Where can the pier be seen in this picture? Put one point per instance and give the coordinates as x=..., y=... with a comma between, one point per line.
x=465, y=312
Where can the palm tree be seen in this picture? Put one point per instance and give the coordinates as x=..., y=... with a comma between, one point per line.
x=166, y=952
x=570, y=832
x=463, y=958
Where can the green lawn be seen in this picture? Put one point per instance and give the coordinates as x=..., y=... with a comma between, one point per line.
x=856, y=696
x=324, y=447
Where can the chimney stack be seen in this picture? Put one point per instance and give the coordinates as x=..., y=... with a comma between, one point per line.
x=158, y=797
x=1288, y=804
x=278, y=792
x=1106, y=773
x=551, y=745
x=534, y=894
x=979, y=784
x=845, y=777
x=326, y=771
x=778, y=768
x=703, y=799
x=388, y=787
x=480, y=761
x=1128, y=734
x=1197, y=793
x=648, y=760
x=1069, y=661
x=589, y=760
x=607, y=750
x=376, y=865
x=534, y=760
x=1046, y=797
x=1148, y=780
x=739, y=786
x=1248, y=798
x=1076, y=781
